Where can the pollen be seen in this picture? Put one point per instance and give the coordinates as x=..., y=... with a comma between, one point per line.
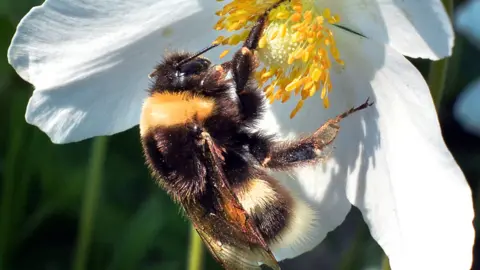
x=297, y=49
x=224, y=53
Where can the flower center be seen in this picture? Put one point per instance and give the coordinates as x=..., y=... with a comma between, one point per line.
x=296, y=49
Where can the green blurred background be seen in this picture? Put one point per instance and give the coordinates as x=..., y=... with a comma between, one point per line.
x=93, y=205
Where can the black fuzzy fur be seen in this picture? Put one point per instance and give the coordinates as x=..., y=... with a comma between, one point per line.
x=176, y=154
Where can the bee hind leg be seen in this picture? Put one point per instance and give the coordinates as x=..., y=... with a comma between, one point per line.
x=286, y=155
x=329, y=130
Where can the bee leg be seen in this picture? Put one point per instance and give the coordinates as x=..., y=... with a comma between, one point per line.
x=329, y=130
x=244, y=61
x=243, y=65
x=305, y=151
x=254, y=36
x=284, y=155
x=250, y=98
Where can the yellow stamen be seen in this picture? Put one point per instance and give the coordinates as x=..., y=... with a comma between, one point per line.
x=262, y=43
x=224, y=53
x=326, y=102
x=234, y=40
x=274, y=35
x=267, y=75
x=219, y=40
x=297, y=108
x=283, y=30
x=294, y=84
x=269, y=90
x=283, y=15
x=316, y=74
x=297, y=49
x=296, y=17
x=286, y=96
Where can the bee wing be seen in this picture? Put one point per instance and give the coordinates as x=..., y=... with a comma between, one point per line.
x=245, y=248
x=235, y=257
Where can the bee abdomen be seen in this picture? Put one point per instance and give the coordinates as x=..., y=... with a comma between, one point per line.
x=282, y=218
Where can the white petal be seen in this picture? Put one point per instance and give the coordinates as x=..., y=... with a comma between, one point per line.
x=89, y=60
x=467, y=109
x=411, y=192
x=390, y=161
x=325, y=197
x=412, y=27
x=467, y=20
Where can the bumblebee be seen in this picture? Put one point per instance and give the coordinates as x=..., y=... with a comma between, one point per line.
x=196, y=131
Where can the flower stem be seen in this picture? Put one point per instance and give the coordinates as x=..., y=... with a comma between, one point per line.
x=454, y=69
x=438, y=70
x=90, y=200
x=385, y=263
x=195, y=253
x=9, y=174
x=355, y=255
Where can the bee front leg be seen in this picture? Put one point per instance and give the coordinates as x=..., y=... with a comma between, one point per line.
x=244, y=61
x=250, y=98
x=254, y=36
x=243, y=65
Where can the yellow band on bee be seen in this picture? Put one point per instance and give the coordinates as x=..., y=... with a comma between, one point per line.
x=169, y=109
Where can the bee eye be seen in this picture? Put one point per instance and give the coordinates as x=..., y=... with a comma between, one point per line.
x=195, y=66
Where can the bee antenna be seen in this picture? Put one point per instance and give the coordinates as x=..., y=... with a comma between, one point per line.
x=196, y=55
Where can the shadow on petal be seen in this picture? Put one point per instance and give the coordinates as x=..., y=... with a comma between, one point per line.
x=324, y=186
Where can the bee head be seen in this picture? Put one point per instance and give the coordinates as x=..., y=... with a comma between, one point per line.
x=181, y=71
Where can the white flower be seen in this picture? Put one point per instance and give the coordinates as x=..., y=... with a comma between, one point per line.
x=467, y=109
x=89, y=61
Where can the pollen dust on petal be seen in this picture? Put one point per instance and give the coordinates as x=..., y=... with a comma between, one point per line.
x=297, y=49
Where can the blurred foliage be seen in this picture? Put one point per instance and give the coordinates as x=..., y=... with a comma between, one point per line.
x=134, y=225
